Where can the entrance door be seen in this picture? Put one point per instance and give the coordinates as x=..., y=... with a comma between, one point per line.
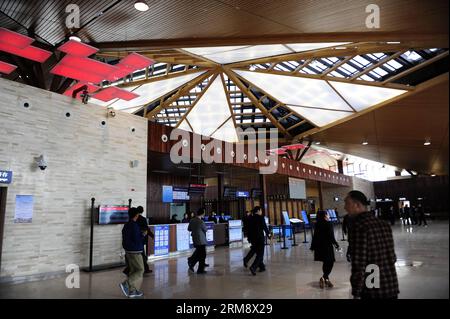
x=2, y=218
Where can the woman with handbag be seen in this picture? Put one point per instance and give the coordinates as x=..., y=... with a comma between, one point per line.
x=322, y=245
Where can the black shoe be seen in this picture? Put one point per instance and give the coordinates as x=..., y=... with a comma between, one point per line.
x=253, y=271
x=245, y=264
x=148, y=271
x=191, y=267
x=206, y=265
x=262, y=269
x=201, y=272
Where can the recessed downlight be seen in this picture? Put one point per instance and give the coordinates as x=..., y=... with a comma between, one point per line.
x=141, y=6
x=427, y=143
x=365, y=143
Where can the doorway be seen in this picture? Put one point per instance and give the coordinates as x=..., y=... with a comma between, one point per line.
x=2, y=218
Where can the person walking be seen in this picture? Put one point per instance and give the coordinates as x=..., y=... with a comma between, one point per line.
x=421, y=213
x=198, y=230
x=322, y=245
x=257, y=227
x=143, y=225
x=245, y=221
x=133, y=243
x=372, y=245
x=407, y=214
x=346, y=225
x=392, y=215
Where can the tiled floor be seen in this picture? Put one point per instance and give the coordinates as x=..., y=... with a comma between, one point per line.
x=423, y=270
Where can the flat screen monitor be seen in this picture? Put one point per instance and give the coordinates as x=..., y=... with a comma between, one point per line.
x=229, y=192
x=167, y=194
x=197, y=189
x=234, y=223
x=180, y=194
x=297, y=188
x=112, y=214
x=256, y=193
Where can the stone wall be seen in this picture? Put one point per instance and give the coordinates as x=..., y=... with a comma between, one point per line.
x=85, y=159
x=329, y=192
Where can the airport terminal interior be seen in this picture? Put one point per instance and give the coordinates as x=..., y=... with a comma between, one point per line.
x=209, y=120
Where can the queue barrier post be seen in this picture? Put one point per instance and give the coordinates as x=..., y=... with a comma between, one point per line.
x=283, y=228
x=293, y=234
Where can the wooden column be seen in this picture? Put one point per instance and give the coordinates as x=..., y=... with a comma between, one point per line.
x=220, y=205
x=263, y=186
x=319, y=184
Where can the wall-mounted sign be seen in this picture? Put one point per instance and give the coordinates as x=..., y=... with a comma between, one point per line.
x=5, y=177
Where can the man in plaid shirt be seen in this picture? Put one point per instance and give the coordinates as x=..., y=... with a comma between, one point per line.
x=371, y=244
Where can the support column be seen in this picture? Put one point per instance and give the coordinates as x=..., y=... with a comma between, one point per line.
x=319, y=184
x=263, y=199
x=340, y=167
x=219, y=194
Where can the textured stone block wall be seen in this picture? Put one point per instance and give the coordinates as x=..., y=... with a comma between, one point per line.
x=85, y=159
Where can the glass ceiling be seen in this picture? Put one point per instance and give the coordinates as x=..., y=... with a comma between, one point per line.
x=294, y=95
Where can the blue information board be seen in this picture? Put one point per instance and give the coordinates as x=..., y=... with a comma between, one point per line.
x=161, y=240
x=5, y=177
x=305, y=217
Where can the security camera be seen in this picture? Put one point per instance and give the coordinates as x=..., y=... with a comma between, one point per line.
x=41, y=162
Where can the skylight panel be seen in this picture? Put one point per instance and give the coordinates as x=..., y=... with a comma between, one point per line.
x=361, y=61
x=227, y=132
x=364, y=96
x=365, y=77
x=296, y=90
x=347, y=67
x=319, y=117
x=337, y=74
x=395, y=64
x=412, y=56
x=211, y=110
x=380, y=71
x=299, y=47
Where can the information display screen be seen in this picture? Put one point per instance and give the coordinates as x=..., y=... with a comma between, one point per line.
x=235, y=231
x=210, y=233
x=297, y=188
x=167, y=194
x=112, y=214
x=197, y=188
x=183, y=237
x=161, y=240
x=180, y=194
x=242, y=194
x=256, y=193
x=229, y=192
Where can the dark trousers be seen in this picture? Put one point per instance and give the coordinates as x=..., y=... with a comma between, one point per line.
x=422, y=219
x=199, y=256
x=327, y=267
x=144, y=259
x=258, y=249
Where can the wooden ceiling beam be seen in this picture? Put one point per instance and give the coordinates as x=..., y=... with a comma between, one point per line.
x=431, y=39
x=160, y=78
x=181, y=91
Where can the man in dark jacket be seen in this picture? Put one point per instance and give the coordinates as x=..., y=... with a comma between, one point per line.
x=133, y=243
x=143, y=225
x=198, y=231
x=372, y=252
x=245, y=221
x=256, y=229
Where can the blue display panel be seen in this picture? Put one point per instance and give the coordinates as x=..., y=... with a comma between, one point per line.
x=183, y=237
x=235, y=231
x=243, y=194
x=210, y=233
x=167, y=194
x=305, y=217
x=161, y=240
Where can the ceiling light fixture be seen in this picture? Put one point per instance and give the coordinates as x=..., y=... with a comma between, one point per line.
x=317, y=143
x=433, y=175
x=141, y=6
x=427, y=143
x=74, y=38
x=365, y=143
